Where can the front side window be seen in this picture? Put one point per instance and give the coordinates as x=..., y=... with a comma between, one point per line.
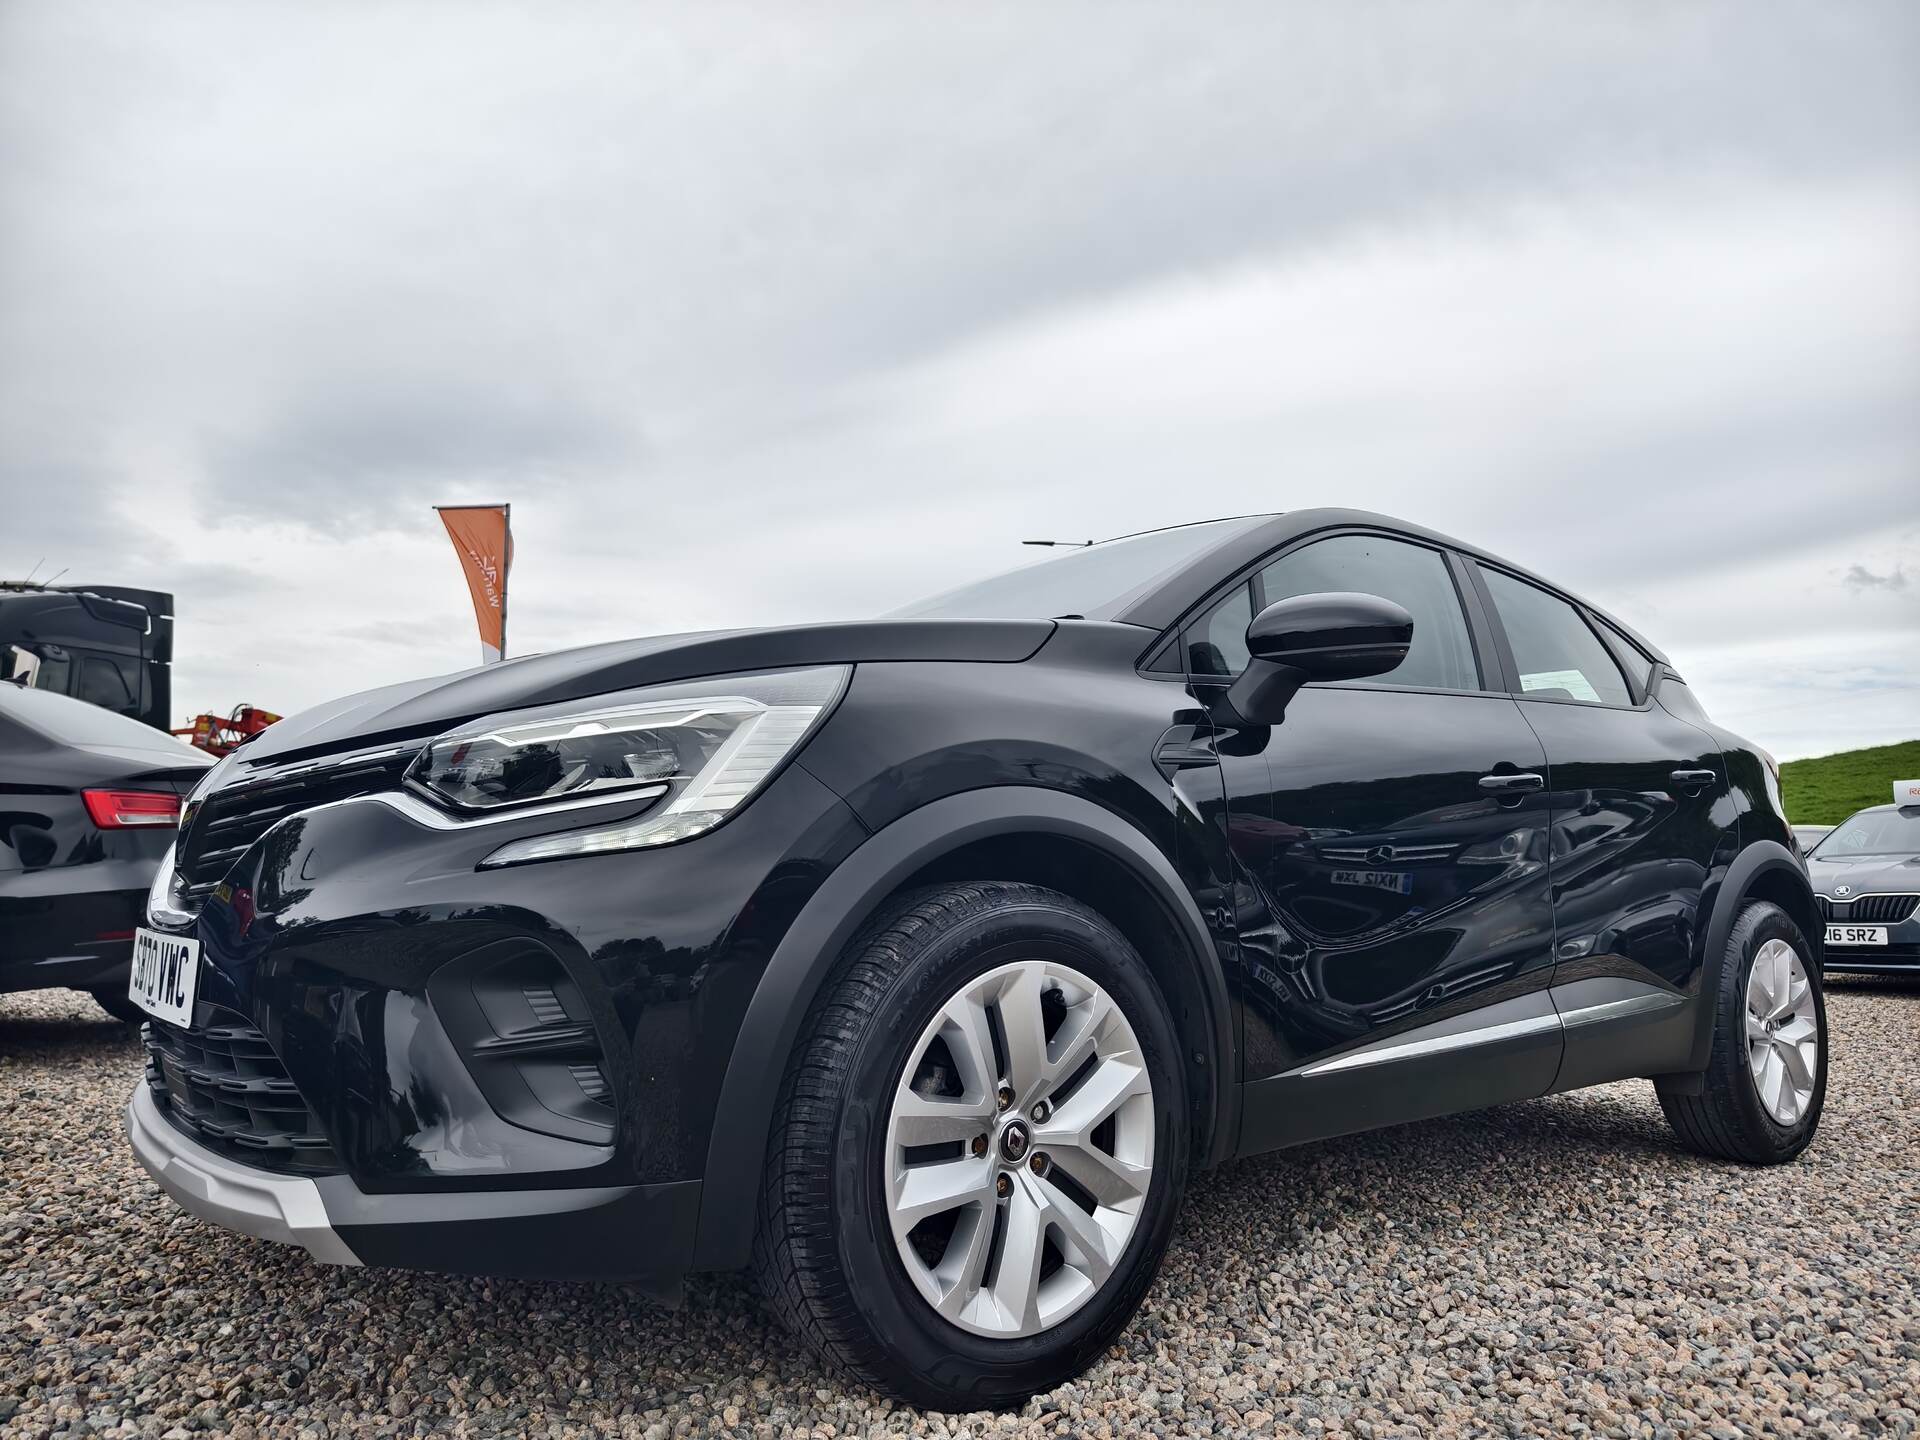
x=1409, y=575
x=1413, y=577
x=1554, y=649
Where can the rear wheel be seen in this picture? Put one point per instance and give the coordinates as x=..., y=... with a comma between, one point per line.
x=978, y=1150
x=1766, y=1077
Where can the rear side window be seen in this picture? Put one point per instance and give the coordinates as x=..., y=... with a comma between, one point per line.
x=1554, y=649
x=1630, y=657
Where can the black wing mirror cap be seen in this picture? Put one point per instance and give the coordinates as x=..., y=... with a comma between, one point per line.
x=1337, y=635
x=1334, y=635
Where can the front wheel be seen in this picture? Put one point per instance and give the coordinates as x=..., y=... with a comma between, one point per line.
x=979, y=1149
x=1766, y=1077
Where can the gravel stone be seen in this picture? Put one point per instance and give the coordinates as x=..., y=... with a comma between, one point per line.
x=1552, y=1268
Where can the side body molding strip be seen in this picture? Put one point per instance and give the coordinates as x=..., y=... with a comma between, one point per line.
x=1583, y=1002
x=1509, y=1019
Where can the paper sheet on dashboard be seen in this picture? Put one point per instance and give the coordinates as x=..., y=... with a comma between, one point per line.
x=1571, y=681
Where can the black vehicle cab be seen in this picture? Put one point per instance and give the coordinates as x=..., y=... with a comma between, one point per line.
x=109, y=645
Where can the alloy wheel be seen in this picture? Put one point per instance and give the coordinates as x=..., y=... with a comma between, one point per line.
x=1783, y=1033
x=1019, y=1149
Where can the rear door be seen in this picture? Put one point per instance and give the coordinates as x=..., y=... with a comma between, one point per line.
x=1639, y=806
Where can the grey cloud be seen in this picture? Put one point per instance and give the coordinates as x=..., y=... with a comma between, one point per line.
x=1859, y=577
x=368, y=456
x=58, y=512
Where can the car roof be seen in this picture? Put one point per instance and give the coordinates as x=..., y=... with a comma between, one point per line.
x=1169, y=600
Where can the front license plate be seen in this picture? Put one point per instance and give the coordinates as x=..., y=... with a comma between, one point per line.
x=166, y=971
x=1856, y=934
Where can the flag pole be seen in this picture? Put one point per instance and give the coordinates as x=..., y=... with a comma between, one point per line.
x=506, y=572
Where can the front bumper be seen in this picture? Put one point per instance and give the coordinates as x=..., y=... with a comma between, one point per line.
x=1889, y=959
x=637, y=1233
x=286, y=1209
x=508, y=1071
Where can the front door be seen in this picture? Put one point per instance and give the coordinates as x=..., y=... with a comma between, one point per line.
x=1395, y=927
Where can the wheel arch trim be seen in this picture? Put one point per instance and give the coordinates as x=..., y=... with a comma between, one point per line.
x=815, y=941
x=1760, y=865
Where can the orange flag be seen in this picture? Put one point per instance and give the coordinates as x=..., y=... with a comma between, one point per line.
x=482, y=536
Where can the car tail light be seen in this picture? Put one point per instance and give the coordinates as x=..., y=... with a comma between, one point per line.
x=131, y=809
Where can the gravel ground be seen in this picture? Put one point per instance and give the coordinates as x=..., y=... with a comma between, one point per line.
x=1550, y=1268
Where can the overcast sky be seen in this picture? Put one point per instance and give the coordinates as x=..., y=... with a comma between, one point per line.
x=778, y=313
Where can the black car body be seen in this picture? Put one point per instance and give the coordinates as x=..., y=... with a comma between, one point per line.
x=1480, y=880
x=1866, y=879
x=88, y=805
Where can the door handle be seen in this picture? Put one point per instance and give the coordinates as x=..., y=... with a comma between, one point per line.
x=1512, y=784
x=1693, y=779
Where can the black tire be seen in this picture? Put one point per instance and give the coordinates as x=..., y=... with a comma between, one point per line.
x=1727, y=1120
x=824, y=1254
x=115, y=1003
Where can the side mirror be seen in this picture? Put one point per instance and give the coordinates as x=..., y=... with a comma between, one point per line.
x=1332, y=636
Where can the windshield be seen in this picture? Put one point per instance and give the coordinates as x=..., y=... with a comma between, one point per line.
x=1873, y=832
x=1090, y=582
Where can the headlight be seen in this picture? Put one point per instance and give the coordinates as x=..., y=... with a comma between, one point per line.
x=698, y=751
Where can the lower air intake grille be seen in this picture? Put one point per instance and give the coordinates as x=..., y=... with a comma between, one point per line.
x=222, y=1084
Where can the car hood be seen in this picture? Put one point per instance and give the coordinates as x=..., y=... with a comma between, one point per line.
x=421, y=707
x=1867, y=874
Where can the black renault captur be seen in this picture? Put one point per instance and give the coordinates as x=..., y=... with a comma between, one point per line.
x=917, y=963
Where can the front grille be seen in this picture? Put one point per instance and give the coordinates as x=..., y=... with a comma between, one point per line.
x=222, y=1084
x=226, y=823
x=1869, y=909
